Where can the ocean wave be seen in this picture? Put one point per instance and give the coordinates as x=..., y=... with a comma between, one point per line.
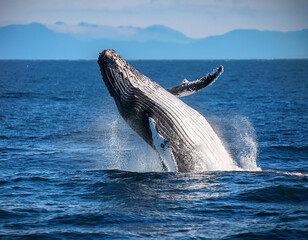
x=300, y=174
x=31, y=179
x=5, y=214
x=94, y=219
x=60, y=99
x=58, y=234
x=34, y=95
x=20, y=95
x=10, y=149
x=290, y=147
x=280, y=193
x=282, y=233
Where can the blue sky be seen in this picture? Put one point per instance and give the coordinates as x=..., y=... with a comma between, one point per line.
x=194, y=18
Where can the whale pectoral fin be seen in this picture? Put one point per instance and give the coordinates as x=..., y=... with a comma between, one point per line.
x=187, y=88
x=162, y=147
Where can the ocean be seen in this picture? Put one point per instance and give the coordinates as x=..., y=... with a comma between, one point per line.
x=71, y=168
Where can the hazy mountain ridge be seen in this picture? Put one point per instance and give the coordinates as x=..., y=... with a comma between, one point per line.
x=155, y=32
x=36, y=41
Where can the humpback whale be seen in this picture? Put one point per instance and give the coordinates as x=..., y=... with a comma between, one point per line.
x=182, y=137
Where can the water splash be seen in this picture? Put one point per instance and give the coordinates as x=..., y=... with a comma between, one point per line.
x=115, y=145
x=247, y=143
x=241, y=139
x=145, y=159
x=129, y=152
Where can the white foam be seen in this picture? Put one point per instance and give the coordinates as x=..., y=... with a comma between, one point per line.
x=299, y=174
x=145, y=158
x=247, y=145
x=239, y=136
x=128, y=151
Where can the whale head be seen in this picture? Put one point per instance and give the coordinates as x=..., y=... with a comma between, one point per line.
x=125, y=84
x=112, y=69
x=119, y=76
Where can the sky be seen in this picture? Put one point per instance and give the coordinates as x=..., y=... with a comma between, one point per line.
x=194, y=18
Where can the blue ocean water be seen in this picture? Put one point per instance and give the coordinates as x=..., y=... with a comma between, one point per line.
x=70, y=167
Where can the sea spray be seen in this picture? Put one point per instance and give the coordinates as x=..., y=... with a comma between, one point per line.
x=129, y=152
x=115, y=145
x=240, y=138
x=246, y=141
x=145, y=159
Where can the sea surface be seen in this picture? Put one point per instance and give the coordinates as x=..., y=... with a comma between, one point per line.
x=70, y=167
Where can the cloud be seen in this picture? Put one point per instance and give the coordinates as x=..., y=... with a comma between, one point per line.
x=248, y=4
x=88, y=25
x=71, y=5
x=59, y=23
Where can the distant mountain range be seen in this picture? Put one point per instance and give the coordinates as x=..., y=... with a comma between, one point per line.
x=36, y=41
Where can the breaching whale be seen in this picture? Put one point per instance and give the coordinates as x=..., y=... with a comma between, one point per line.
x=183, y=138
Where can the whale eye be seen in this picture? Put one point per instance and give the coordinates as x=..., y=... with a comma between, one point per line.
x=162, y=145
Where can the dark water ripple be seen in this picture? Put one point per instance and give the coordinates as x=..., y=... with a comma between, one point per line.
x=154, y=205
x=61, y=140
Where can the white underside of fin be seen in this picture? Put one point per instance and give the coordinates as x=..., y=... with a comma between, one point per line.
x=162, y=147
x=185, y=81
